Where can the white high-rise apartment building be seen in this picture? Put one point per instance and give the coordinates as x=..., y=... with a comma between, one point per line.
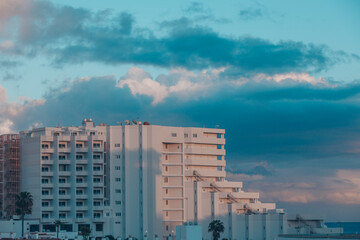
x=139, y=180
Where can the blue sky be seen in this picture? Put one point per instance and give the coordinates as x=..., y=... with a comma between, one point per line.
x=282, y=77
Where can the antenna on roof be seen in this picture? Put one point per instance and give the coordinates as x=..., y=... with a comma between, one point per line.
x=134, y=122
x=127, y=122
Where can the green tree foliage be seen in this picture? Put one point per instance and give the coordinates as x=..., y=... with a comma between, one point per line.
x=216, y=227
x=24, y=204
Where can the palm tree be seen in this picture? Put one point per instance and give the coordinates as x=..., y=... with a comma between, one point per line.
x=216, y=227
x=85, y=231
x=58, y=223
x=23, y=203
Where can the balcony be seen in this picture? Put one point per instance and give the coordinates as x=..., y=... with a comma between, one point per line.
x=81, y=220
x=65, y=196
x=47, y=197
x=81, y=208
x=204, y=162
x=65, y=208
x=47, y=174
x=48, y=220
x=47, y=162
x=64, y=150
x=82, y=150
x=206, y=173
x=83, y=185
x=47, y=209
x=81, y=173
x=100, y=173
x=81, y=196
x=204, y=151
x=206, y=140
x=100, y=161
x=64, y=162
x=98, y=149
x=47, y=150
x=101, y=196
x=64, y=173
x=100, y=184
x=64, y=185
x=47, y=185
x=98, y=208
x=81, y=161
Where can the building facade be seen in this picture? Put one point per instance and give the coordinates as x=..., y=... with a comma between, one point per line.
x=9, y=173
x=138, y=180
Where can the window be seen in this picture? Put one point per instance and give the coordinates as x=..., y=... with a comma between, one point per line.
x=219, y=157
x=99, y=227
x=235, y=189
x=62, y=215
x=117, y=179
x=44, y=146
x=79, y=169
x=45, y=180
x=62, y=192
x=97, y=203
x=96, y=191
x=96, y=156
x=96, y=145
x=96, y=168
x=79, y=192
x=118, y=156
x=62, y=204
x=166, y=179
x=218, y=146
x=96, y=180
x=218, y=179
x=62, y=157
x=118, y=214
x=79, y=157
x=186, y=135
x=219, y=168
x=117, y=145
x=79, y=145
x=79, y=215
x=92, y=133
x=167, y=202
x=44, y=192
x=173, y=134
x=117, y=190
x=97, y=215
x=79, y=203
x=218, y=135
x=117, y=168
x=79, y=180
x=62, y=180
x=118, y=202
x=45, y=204
x=44, y=169
x=61, y=145
x=45, y=215
x=45, y=157
x=195, y=135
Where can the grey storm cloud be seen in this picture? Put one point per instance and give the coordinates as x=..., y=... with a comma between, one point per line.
x=77, y=35
x=282, y=127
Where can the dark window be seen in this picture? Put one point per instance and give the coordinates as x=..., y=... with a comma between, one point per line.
x=99, y=227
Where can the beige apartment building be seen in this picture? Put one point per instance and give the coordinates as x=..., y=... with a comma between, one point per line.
x=140, y=180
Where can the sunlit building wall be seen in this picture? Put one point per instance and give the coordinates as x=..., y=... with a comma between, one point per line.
x=139, y=180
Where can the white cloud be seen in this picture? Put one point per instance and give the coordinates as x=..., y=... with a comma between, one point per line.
x=183, y=82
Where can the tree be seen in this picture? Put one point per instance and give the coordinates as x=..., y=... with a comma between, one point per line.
x=58, y=223
x=85, y=231
x=216, y=227
x=24, y=204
